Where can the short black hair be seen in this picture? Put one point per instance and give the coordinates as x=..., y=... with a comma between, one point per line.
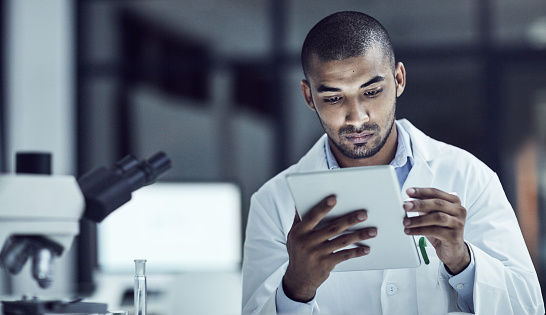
x=344, y=35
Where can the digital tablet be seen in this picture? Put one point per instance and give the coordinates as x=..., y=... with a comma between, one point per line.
x=373, y=188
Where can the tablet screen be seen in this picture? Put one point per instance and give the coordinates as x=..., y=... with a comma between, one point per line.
x=373, y=188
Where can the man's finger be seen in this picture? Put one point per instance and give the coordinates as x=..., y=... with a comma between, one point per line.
x=349, y=239
x=441, y=233
x=436, y=218
x=347, y=254
x=432, y=193
x=434, y=205
x=340, y=225
x=317, y=213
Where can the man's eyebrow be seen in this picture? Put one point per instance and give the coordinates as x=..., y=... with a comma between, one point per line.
x=375, y=79
x=324, y=88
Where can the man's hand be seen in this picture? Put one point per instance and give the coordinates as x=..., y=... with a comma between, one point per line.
x=442, y=221
x=313, y=254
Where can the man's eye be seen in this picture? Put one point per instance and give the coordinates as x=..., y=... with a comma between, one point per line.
x=373, y=92
x=333, y=100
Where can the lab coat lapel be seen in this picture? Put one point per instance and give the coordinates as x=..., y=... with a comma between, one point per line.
x=431, y=284
x=315, y=159
x=428, y=284
x=423, y=150
x=420, y=176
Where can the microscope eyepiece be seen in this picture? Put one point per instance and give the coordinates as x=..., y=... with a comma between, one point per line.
x=105, y=190
x=159, y=164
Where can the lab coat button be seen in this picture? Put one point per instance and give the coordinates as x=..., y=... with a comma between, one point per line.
x=392, y=289
x=460, y=286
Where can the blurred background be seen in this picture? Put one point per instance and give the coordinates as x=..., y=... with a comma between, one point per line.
x=215, y=84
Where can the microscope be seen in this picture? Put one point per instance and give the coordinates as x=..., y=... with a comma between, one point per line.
x=40, y=213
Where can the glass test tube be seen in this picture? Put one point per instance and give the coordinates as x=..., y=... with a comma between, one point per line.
x=140, y=286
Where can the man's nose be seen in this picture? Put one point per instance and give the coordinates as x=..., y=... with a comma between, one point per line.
x=357, y=113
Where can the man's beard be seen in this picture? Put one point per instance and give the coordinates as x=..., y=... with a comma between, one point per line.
x=362, y=150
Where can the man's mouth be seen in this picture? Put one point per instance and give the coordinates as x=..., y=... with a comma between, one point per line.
x=359, y=137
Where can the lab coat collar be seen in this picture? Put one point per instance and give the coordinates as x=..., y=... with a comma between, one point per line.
x=422, y=145
x=315, y=159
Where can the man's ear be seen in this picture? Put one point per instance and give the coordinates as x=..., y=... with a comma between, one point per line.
x=400, y=78
x=306, y=90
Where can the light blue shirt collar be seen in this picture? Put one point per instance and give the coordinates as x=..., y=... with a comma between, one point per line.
x=402, y=162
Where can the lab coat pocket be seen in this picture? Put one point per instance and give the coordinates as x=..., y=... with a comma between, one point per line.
x=434, y=293
x=435, y=271
x=433, y=267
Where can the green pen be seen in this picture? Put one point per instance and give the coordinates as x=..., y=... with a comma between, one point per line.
x=422, y=245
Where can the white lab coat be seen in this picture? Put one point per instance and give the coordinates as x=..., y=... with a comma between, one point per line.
x=505, y=279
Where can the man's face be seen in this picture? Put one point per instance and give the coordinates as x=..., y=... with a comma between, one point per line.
x=355, y=100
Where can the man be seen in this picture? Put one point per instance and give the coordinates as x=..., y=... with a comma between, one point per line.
x=479, y=260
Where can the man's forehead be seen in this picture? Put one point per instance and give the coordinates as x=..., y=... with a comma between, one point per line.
x=362, y=68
